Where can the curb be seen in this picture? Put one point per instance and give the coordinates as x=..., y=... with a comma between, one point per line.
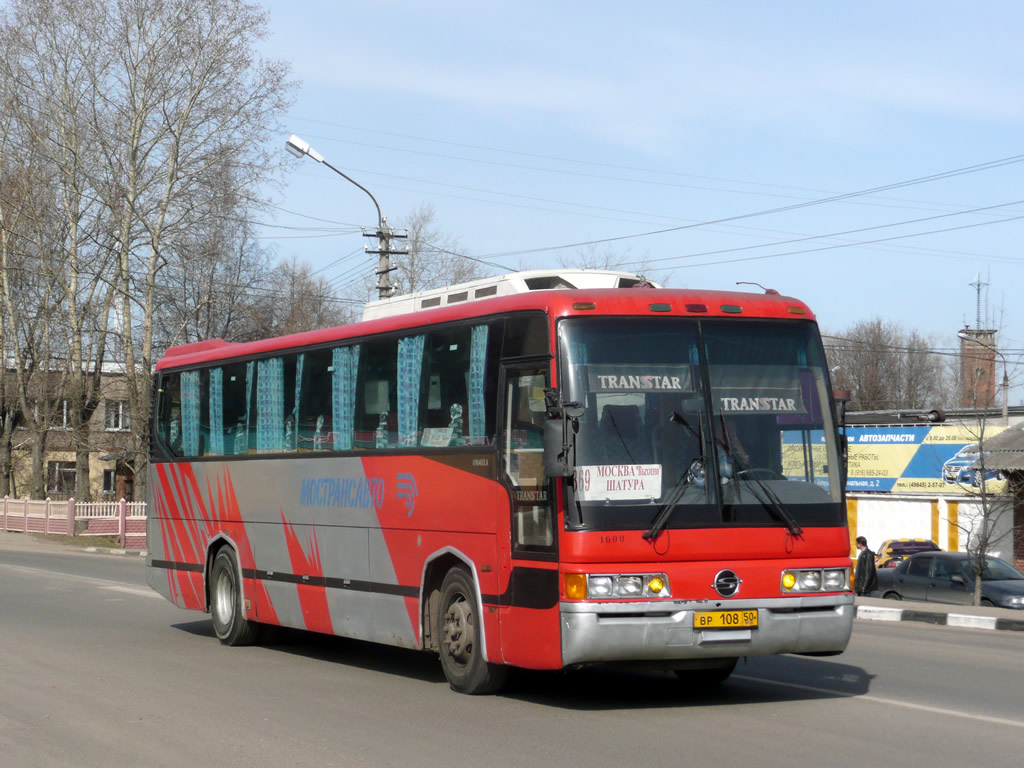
x=878, y=613
x=121, y=552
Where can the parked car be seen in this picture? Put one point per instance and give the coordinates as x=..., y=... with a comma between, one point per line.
x=894, y=551
x=947, y=577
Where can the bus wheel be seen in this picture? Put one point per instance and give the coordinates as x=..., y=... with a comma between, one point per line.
x=461, y=652
x=707, y=677
x=229, y=623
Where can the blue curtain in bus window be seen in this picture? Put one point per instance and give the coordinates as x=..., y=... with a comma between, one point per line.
x=343, y=408
x=270, y=405
x=293, y=439
x=242, y=434
x=477, y=369
x=190, y=407
x=410, y=366
x=217, y=411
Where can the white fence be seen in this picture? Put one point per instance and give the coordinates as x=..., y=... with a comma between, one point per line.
x=948, y=521
x=123, y=519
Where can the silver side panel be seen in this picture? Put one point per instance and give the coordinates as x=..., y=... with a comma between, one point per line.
x=663, y=631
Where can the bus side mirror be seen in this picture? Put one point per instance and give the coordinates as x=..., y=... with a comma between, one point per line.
x=558, y=449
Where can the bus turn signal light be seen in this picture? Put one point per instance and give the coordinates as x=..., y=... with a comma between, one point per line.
x=576, y=586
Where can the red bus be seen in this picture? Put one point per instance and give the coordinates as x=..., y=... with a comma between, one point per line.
x=521, y=472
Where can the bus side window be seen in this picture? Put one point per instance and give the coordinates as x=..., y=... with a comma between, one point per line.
x=525, y=335
x=313, y=425
x=376, y=412
x=443, y=401
x=234, y=437
x=169, y=425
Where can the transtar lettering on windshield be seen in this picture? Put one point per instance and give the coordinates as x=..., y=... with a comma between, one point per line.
x=758, y=404
x=640, y=382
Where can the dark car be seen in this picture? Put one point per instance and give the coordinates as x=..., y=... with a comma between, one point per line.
x=947, y=577
x=894, y=551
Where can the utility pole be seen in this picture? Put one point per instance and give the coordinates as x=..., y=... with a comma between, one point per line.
x=384, y=235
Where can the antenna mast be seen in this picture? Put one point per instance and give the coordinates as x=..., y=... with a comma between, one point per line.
x=978, y=285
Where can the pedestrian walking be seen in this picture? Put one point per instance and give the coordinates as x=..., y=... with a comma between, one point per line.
x=865, y=581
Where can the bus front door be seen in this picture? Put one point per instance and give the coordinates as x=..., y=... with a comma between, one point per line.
x=530, y=630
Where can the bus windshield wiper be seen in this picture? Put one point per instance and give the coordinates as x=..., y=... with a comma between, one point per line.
x=679, y=489
x=766, y=496
x=761, y=491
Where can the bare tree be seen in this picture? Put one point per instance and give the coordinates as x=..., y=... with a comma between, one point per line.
x=149, y=122
x=593, y=257
x=887, y=368
x=998, y=487
x=226, y=298
x=435, y=258
x=179, y=95
x=46, y=67
x=30, y=298
x=297, y=300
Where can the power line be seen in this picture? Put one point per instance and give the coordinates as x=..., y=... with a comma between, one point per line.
x=782, y=209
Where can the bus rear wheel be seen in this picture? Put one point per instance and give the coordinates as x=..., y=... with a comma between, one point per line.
x=461, y=650
x=229, y=622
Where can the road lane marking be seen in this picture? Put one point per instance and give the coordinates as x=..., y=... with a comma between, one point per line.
x=890, y=702
x=137, y=591
x=116, y=586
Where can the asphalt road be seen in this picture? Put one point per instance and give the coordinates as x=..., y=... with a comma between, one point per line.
x=95, y=670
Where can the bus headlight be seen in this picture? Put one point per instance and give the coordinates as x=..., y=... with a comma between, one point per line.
x=582, y=586
x=814, y=580
x=809, y=581
x=835, y=580
x=630, y=586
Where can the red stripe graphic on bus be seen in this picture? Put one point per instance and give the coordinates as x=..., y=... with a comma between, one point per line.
x=186, y=538
x=312, y=598
x=185, y=587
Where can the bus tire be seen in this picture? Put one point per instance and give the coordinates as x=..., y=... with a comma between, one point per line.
x=229, y=622
x=458, y=618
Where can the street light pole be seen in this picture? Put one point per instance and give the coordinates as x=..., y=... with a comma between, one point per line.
x=300, y=148
x=1006, y=379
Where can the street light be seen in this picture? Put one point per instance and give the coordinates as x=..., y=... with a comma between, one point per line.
x=965, y=336
x=300, y=148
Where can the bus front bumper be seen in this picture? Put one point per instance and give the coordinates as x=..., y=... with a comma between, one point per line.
x=594, y=633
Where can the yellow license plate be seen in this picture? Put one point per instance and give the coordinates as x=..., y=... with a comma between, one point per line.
x=725, y=620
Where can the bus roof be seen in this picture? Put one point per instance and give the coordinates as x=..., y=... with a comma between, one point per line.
x=636, y=301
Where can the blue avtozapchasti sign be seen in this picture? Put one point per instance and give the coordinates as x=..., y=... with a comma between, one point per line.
x=919, y=459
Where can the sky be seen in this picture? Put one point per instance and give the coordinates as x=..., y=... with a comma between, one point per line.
x=705, y=143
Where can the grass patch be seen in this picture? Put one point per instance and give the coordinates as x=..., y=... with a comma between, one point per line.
x=79, y=542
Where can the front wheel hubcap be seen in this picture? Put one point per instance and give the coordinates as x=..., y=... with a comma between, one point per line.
x=458, y=631
x=224, y=602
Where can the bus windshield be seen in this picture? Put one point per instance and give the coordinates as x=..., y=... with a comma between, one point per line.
x=701, y=422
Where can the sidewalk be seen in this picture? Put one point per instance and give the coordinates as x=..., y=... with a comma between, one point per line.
x=37, y=542
x=975, y=617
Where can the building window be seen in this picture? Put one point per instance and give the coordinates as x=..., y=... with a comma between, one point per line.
x=108, y=482
x=61, y=418
x=60, y=477
x=115, y=415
